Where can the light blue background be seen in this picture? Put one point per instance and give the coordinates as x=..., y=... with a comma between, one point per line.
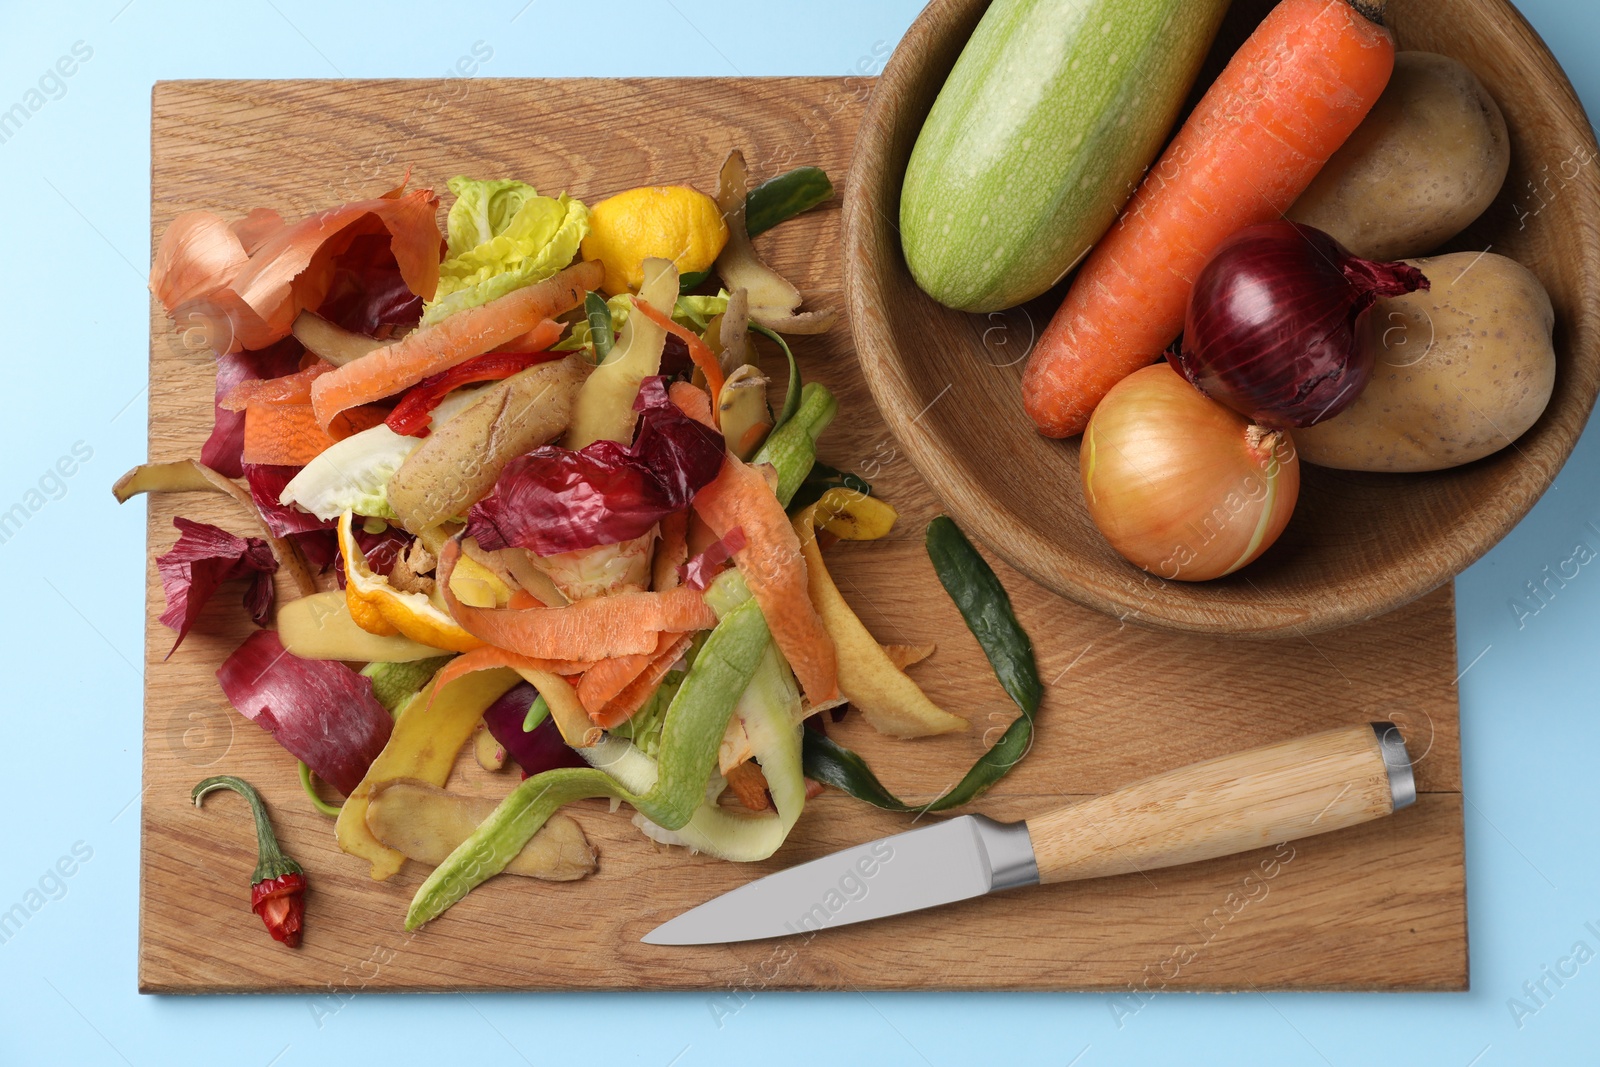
x=76, y=196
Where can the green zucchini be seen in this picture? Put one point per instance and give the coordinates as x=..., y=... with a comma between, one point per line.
x=1038, y=138
x=822, y=478
x=668, y=791
x=792, y=447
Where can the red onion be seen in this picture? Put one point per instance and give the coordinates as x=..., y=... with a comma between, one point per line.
x=1274, y=323
x=323, y=712
x=539, y=749
x=205, y=557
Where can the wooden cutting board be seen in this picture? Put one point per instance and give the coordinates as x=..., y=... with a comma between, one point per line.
x=1380, y=906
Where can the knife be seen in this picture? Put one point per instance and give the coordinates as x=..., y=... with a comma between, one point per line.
x=1279, y=792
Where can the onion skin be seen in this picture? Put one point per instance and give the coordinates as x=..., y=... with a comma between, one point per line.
x=1180, y=485
x=1275, y=319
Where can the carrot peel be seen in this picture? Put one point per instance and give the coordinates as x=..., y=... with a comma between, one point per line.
x=591, y=629
x=775, y=569
x=456, y=339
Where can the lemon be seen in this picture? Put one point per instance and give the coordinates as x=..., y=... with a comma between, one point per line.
x=673, y=222
x=379, y=608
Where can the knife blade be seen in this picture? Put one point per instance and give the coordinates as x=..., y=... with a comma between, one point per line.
x=1234, y=803
x=938, y=864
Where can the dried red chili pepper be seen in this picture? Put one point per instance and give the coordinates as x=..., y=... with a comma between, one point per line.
x=410, y=416
x=278, y=886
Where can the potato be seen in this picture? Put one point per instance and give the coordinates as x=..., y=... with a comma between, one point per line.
x=1426, y=161
x=426, y=824
x=1461, y=371
x=459, y=461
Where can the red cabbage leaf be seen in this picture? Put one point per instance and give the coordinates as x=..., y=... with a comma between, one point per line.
x=266, y=486
x=556, y=500
x=317, y=540
x=367, y=294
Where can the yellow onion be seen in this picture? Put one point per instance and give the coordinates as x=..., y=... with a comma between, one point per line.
x=1180, y=485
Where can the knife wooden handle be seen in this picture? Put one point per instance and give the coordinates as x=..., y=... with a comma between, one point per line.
x=1234, y=803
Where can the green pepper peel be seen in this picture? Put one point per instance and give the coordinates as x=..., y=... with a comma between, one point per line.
x=688, y=283
x=784, y=196
x=982, y=600
x=598, y=314
x=820, y=480
x=690, y=736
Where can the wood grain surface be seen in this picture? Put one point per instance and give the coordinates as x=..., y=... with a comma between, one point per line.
x=1359, y=544
x=1380, y=906
x=1286, y=791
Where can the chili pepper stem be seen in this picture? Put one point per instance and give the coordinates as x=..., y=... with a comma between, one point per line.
x=330, y=810
x=270, y=860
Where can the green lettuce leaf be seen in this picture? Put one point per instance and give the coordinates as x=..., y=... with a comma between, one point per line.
x=697, y=312
x=501, y=236
x=352, y=475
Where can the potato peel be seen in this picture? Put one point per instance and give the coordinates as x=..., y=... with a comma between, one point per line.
x=426, y=823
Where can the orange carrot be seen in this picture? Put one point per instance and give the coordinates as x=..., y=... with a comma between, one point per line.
x=538, y=339
x=699, y=537
x=1287, y=100
x=431, y=349
x=593, y=629
x=611, y=676
x=288, y=434
x=699, y=351
x=775, y=570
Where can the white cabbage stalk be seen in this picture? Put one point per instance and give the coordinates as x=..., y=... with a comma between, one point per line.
x=602, y=570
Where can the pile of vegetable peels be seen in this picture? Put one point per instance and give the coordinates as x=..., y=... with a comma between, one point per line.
x=529, y=477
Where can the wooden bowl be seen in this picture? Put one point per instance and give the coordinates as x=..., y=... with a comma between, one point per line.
x=1359, y=544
